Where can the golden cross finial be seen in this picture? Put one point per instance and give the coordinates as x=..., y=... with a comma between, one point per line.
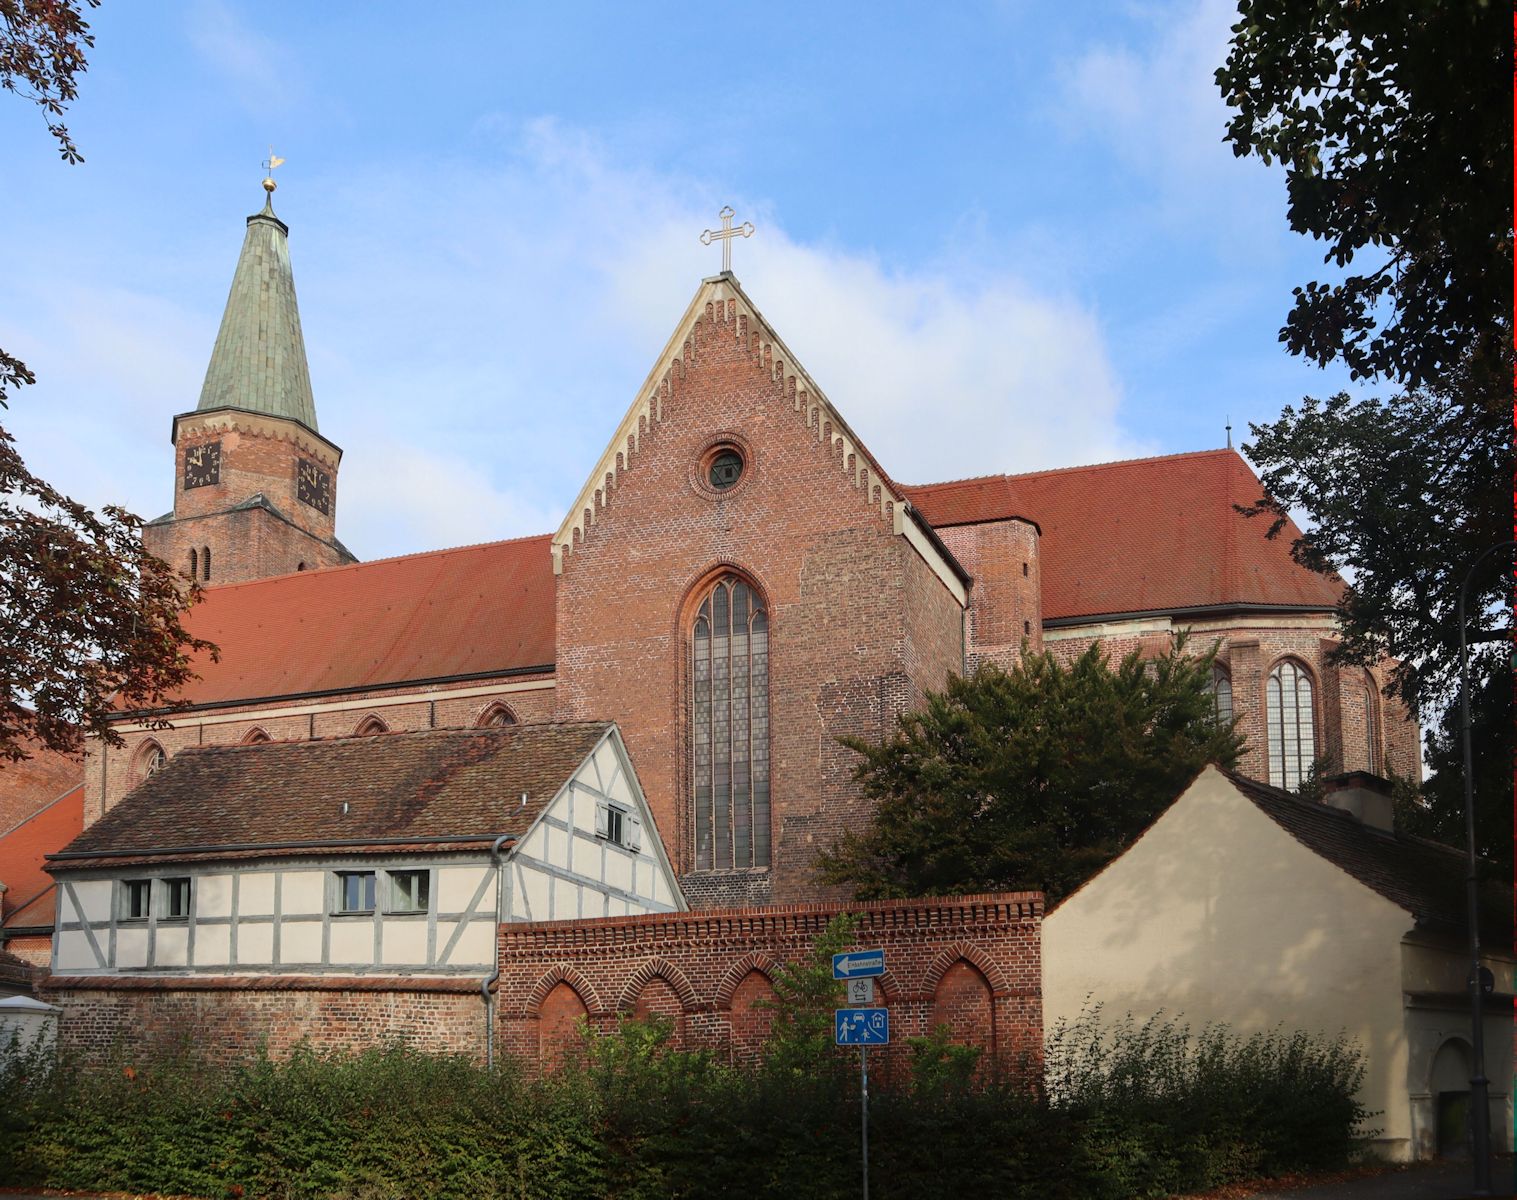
x=269, y=164
x=725, y=235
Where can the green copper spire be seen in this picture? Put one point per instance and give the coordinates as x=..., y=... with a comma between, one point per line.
x=259, y=363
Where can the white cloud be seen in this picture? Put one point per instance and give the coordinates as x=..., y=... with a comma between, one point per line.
x=259, y=70
x=476, y=331
x=1160, y=112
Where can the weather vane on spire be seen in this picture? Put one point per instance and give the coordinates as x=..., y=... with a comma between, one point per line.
x=269, y=164
x=725, y=235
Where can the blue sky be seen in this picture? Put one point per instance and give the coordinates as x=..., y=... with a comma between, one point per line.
x=1001, y=236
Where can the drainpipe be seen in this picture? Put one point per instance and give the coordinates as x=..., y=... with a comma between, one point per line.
x=490, y=980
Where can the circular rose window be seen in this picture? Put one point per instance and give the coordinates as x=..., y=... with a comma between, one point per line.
x=726, y=468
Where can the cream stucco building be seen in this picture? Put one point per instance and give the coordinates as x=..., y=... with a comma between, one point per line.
x=1245, y=905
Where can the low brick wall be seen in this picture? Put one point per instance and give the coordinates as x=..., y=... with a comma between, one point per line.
x=972, y=963
x=230, y=1017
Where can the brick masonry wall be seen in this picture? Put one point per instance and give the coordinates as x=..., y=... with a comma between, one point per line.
x=229, y=1019
x=258, y=455
x=111, y=772
x=858, y=626
x=1250, y=650
x=1005, y=605
x=972, y=963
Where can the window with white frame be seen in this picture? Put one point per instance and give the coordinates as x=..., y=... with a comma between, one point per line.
x=136, y=899
x=617, y=826
x=176, y=899
x=1292, y=732
x=410, y=891
x=355, y=891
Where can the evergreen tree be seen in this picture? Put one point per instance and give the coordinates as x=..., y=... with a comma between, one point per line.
x=1035, y=777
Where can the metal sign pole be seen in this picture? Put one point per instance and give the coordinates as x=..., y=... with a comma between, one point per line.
x=864, y=1097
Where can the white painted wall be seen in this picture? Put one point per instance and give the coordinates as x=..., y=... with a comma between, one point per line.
x=1218, y=915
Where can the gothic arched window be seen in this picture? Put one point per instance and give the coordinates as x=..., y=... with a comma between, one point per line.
x=1288, y=712
x=1222, y=693
x=151, y=759
x=194, y=563
x=370, y=726
x=1371, y=738
x=496, y=716
x=729, y=727
x=205, y=563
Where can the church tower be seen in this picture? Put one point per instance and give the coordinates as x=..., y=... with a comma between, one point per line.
x=255, y=484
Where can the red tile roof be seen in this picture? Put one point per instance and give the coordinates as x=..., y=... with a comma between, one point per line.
x=28, y=899
x=1150, y=534
x=429, y=789
x=29, y=786
x=474, y=610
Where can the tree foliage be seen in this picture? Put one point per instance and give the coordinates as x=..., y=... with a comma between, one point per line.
x=1391, y=119
x=88, y=620
x=1035, y=777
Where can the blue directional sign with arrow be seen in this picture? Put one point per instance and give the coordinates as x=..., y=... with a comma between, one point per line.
x=858, y=964
x=861, y=1027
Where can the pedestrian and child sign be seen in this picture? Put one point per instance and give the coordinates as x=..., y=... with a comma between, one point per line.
x=862, y=1026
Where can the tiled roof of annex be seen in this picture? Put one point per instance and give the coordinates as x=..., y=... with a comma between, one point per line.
x=436, y=788
x=1425, y=878
x=471, y=611
x=1144, y=535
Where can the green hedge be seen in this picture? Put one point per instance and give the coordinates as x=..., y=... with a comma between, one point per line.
x=1138, y=1112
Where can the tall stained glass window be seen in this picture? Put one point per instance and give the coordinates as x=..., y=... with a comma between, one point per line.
x=1222, y=693
x=729, y=736
x=1292, y=742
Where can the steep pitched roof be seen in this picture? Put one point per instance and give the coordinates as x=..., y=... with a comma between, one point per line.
x=259, y=360
x=28, y=899
x=475, y=610
x=435, y=787
x=1150, y=534
x=1424, y=878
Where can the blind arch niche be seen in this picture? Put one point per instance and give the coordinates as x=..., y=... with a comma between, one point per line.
x=729, y=726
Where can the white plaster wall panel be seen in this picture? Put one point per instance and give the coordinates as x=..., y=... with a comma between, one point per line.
x=620, y=789
x=94, y=899
x=171, y=948
x=74, y=953
x=584, y=806
x=213, y=896
x=536, y=884
x=299, y=942
x=352, y=941
x=618, y=871
x=403, y=942
x=213, y=945
x=476, y=945
x=608, y=766
x=255, y=944
x=456, y=886
x=255, y=896
x=662, y=892
x=131, y=947
x=302, y=892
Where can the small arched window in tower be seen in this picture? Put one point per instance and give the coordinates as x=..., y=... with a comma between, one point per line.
x=496, y=716
x=1292, y=734
x=370, y=725
x=205, y=563
x=1222, y=693
x=729, y=727
x=194, y=564
x=150, y=759
x=301, y=567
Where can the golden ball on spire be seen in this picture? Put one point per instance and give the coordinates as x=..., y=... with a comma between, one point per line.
x=269, y=185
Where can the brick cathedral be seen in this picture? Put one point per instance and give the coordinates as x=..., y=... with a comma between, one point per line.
x=738, y=583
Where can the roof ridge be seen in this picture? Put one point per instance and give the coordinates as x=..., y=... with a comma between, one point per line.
x=964, y=482
x=328, y=572
x=1124, y=462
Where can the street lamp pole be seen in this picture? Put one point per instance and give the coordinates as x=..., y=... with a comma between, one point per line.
x=1480, y=1104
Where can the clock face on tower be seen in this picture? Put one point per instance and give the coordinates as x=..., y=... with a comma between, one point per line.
x=313, y=486
x=202, y=465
